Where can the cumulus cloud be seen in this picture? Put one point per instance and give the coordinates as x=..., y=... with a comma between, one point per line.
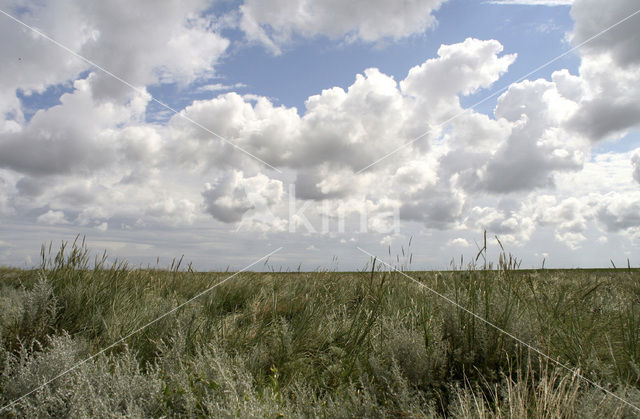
x=569, y=215
x=569, y=218
x=620, y=212
x=233, y=195
x=262, y=129
x=339, y=129
x=173, y=211
x=460, y=68
x=459, y=242
x=572, y=217
x=70, y=137
x=352, y=128
x=600, y=197
x=52, y=217
x=610, y=64
x=511, y=225
x=23, y=57
x=94, y=156
x=608, y=105
x=622, y=42
x=339, y=132
x=173, y=42
x=275, y=22
x=524, y=148
x=572, y=240
x=438, y=207
x=328, y=182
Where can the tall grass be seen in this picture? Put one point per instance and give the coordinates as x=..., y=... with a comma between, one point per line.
x=329, y=344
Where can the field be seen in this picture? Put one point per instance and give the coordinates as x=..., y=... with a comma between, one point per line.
x=324, y=344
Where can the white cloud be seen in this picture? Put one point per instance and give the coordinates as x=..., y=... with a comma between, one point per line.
x=573, y=240
x=460, y=68
x=344, y=130
x=275, y=22
x=261, y=128
x=233, y=195
x=602, y=172
x=93, y=155
x=609, y=105
x=524, y=148
x=620, y=212
x=513, y=226
x=341, y=129
x=172, y=211
x=352, y=128
x=68, y=138
x=23, y=56
x=52, y=217
x=340, y=132
x=570, y=215
x=621, y=42
x=609, y=69
x=602, y=196
x=168, y=43
x=163, y=43
x=459, y=242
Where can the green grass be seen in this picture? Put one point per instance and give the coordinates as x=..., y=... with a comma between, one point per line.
x=326, y=344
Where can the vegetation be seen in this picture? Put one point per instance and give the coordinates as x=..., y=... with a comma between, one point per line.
x=321, y=344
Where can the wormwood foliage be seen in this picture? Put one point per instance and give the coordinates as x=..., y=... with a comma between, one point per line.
x=327, y=344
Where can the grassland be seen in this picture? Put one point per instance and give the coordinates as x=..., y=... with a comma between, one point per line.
x=322, y=344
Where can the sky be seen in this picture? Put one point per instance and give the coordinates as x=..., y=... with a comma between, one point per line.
x=325, y=132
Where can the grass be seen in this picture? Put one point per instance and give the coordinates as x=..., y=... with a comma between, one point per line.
x=322, y=344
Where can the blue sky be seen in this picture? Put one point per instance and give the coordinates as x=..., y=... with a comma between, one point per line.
x=554, y=171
